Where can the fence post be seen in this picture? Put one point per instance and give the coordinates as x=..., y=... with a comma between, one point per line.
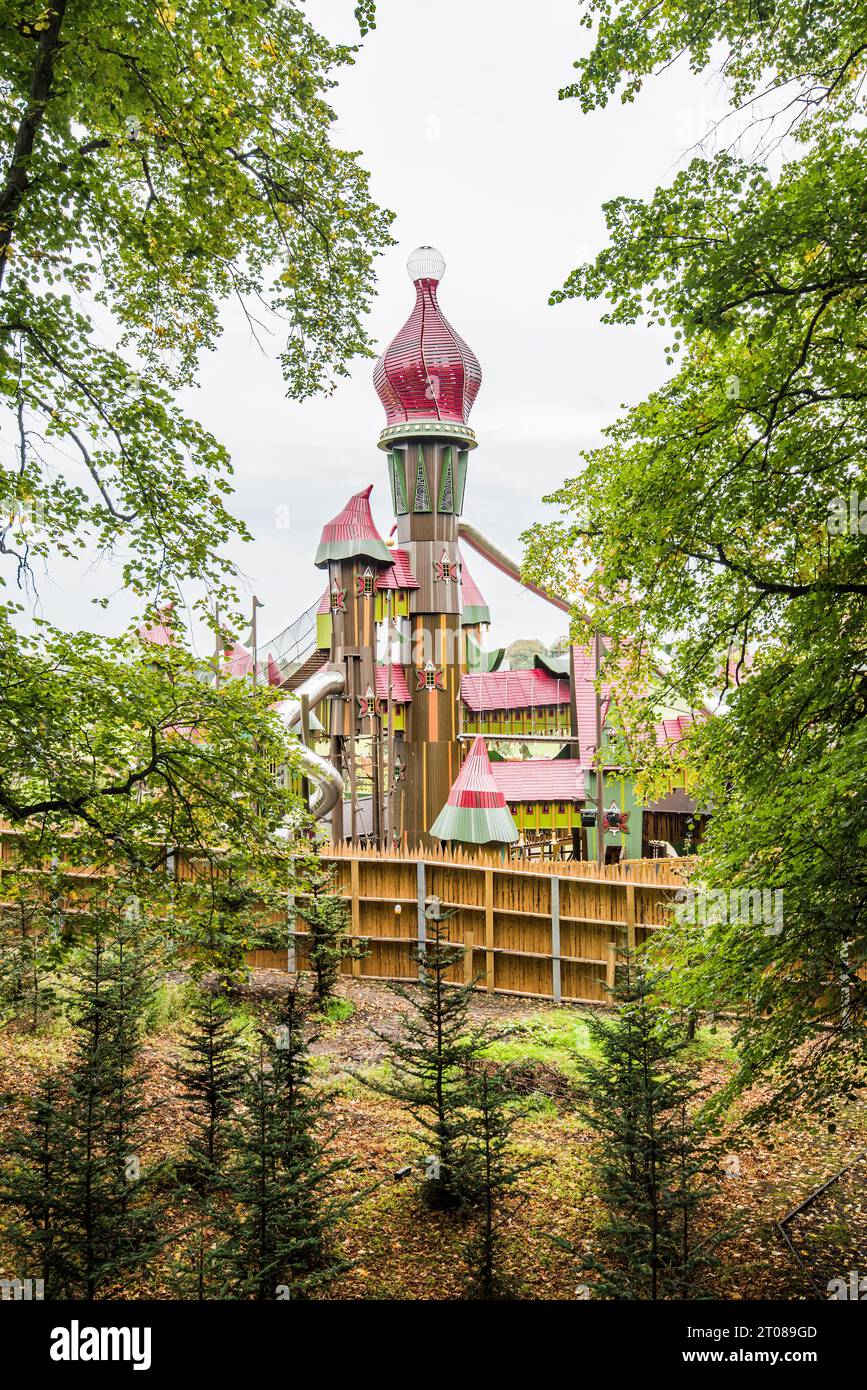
x=291, y=924
x=556, y=980
x=468, y=956
x=355, y=891
x=630, y=915
x=421, y=894
x=489, y=930
x=612, y=964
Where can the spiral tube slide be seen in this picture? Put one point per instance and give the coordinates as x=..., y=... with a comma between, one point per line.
x=326, y=779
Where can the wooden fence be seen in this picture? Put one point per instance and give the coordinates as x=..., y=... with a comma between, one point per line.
x=548, y=928
x=530, y=928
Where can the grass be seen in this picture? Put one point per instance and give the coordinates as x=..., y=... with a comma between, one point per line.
x=337, y=1010
x=558, y=1038
x=168, y=1008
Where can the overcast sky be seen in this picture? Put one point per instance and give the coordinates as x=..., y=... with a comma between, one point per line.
x=454, y=107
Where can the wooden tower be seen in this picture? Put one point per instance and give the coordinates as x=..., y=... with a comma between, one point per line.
x=427, y=381
x=353, y=553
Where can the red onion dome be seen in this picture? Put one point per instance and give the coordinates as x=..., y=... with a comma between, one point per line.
x=427, y=373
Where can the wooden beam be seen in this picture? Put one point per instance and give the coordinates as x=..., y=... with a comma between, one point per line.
x=421, y=894
x=630, y=916
x=556, y=979
x=489, y=930
x=355, y=908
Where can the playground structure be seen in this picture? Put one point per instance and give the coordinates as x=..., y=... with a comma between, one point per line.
x=412, y=733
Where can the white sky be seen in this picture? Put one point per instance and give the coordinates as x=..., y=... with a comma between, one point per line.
x=454, y=107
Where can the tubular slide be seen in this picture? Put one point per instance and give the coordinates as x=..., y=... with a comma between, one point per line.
x=491, y=552
x=326, y=779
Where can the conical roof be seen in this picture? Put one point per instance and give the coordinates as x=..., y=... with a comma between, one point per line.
x=352, y=532
x=476, y=812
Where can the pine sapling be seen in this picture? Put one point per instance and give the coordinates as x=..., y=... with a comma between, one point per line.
x=280, y=1218
x=211, y=1073
x=428, y=1067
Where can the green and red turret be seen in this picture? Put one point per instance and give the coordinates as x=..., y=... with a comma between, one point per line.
x=476, y=812
x=427, y=380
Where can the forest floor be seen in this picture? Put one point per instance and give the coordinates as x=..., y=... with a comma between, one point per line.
x=398, y=1249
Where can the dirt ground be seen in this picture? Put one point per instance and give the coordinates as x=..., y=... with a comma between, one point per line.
x=397, y=1248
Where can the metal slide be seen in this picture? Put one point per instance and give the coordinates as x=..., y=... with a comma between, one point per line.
x=491, y=552
x=327, y=781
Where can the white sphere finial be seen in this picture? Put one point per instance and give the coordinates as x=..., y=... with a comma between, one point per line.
x=426, y=263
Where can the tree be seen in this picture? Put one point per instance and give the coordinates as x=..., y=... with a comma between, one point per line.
x=723, y=515
x=280, y=1219
x=76, y=1186
x=29, y=1185
x=158, y=163
x=155, y=168
x=520, y=653
x=428, y=1068
x=652, y=1157
x=495, y=1171
x=327, y=918
x=211, y=1072
x=29, y=952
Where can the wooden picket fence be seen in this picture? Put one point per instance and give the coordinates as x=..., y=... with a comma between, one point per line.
x=548, y=929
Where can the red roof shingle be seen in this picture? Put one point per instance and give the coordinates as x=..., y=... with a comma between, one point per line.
x=399, y=689
x=489, y=690
x=585, y=703
x=398, y=575
x=540, y=779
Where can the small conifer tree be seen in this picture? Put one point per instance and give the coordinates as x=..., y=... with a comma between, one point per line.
x=95, y=1221
x=495, y=1171
x=653, y=1156
x=30, y=952
x=210, y=1072
x=328, y=942
x=428, y=1067
x=280, y=1217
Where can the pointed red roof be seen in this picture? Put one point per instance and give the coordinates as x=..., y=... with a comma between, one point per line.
x=399, y=575
x=238, y=661
x=474, y=785
x=427, y=372
x=352, y=532
x=399, y=690
x=474, y=607
x=476, y=812
x=239, y=664
x=159, y=633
